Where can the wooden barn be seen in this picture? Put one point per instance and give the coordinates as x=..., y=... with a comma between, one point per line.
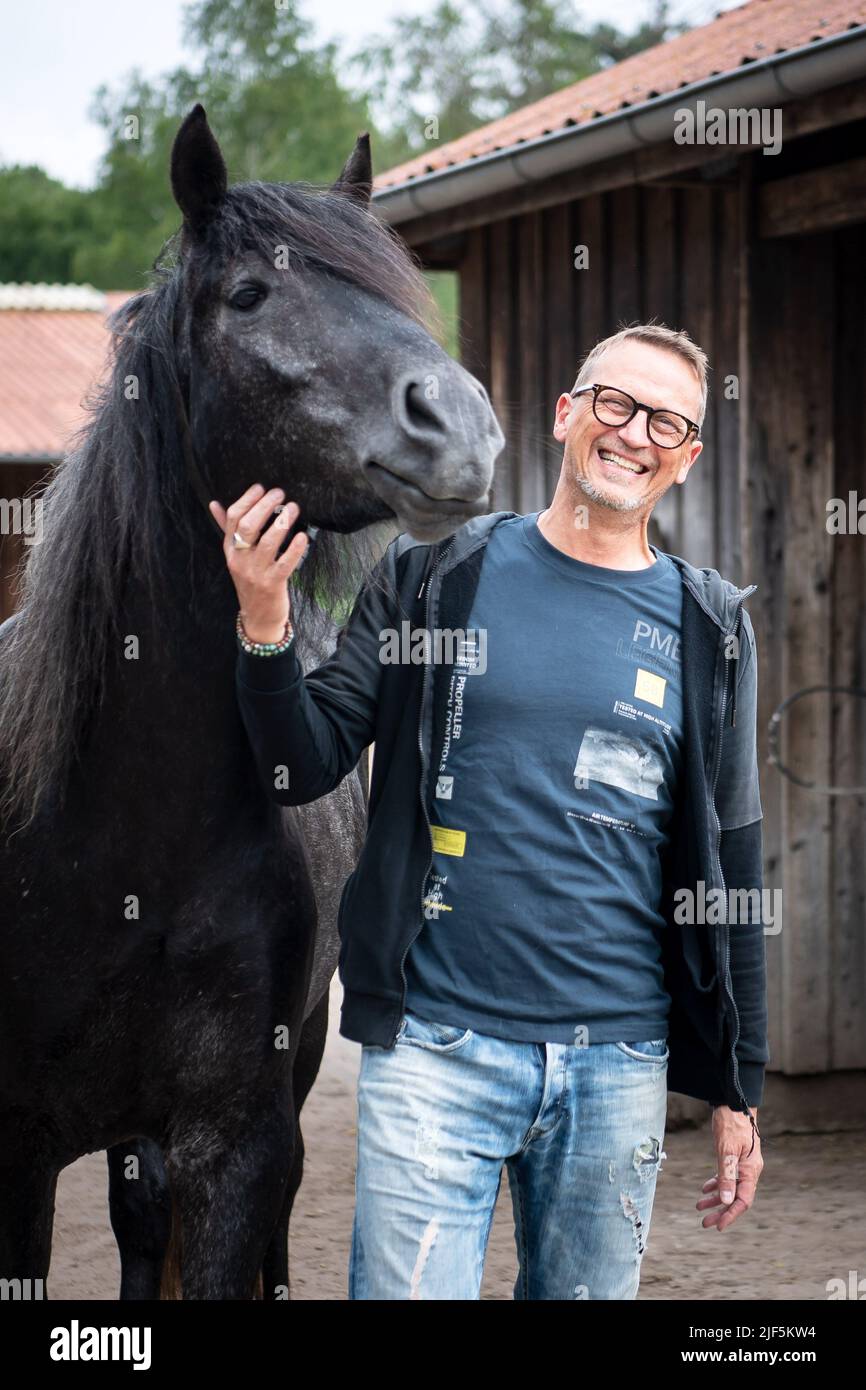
x=718, y=183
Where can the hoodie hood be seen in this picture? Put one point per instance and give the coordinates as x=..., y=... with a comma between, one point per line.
x=719, y=598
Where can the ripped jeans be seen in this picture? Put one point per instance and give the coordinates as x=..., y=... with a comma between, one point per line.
x=580, y=1130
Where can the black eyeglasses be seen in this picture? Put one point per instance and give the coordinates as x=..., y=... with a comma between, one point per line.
x=666, y=428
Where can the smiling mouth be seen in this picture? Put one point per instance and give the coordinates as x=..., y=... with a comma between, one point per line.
x=622, y=463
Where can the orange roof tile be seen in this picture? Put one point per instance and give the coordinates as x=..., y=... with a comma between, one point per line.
x=49, y=359
x=752, y=32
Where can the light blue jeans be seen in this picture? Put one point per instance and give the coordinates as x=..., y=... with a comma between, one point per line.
x=580, y=1130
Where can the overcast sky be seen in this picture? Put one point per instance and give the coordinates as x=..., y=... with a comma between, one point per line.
x=55, y=54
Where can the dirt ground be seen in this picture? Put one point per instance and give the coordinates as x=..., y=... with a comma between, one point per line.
x=799, y=1233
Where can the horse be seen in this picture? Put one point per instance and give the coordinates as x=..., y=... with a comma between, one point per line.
x=167, y=931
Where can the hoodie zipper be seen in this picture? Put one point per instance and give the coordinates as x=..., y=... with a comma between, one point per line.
x=428, y=583
x=726, y=955
x=743, y=596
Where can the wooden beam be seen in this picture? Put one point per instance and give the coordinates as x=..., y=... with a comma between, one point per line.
x=474, y=316
x=560, y=318
x=625, y=170
x=848, y=647
x=503, y=346
x=446, y=253
x=530, y=328
x=590, y=228
x=837, y=106
x=817, y=201
x=791, y=475
x=726, y=393
x=661, y=219
x=698, y=271
x=559, y=332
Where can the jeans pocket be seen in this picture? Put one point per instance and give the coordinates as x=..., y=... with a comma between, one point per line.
x=435, y=1037
x=655, y=1050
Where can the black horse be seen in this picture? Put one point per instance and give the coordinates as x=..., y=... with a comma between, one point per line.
x=163, y=979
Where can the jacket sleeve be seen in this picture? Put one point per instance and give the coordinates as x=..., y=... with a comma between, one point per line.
x=738, y=803
x=307, y=732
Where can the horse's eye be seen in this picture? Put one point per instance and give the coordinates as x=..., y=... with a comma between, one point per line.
x=247, y=297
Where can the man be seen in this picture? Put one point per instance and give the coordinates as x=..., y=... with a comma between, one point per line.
x=525, y=956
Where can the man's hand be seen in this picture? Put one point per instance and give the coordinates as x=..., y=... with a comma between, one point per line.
x=733, y=1187
x=260, y=578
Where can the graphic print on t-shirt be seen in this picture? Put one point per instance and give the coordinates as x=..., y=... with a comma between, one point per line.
x=551, y=801
x=606, y=756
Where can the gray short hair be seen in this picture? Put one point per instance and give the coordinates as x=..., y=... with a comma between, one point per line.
x=674, y=340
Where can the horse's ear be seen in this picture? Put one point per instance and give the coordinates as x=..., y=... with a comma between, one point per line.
x=198, y=171
x=356, y=180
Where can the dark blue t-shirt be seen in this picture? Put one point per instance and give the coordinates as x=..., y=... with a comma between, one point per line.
x=554, y=792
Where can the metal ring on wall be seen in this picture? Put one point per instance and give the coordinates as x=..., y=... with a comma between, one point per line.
x=773, y=733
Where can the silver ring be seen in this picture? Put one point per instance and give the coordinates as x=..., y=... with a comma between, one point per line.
x=239, y=543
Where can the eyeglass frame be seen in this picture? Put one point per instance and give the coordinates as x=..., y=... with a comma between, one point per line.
x=651, y=410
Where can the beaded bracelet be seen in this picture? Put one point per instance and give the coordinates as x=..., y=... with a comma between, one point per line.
x=265, y=648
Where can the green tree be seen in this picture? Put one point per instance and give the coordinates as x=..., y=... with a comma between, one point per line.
x=474, y=63
x=131, y=205
x=428, y=66
x=278, y=105
x=615, y=46
x=284, y=108
x=42, y=223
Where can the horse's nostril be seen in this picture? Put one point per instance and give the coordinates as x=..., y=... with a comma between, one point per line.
x=424, y=413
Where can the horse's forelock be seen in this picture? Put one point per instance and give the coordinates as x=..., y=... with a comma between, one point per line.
x=322, y=229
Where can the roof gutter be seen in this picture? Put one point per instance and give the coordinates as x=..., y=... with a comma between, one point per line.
x=27, y=459
x=770, y=82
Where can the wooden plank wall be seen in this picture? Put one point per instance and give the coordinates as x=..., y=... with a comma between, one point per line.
x=528, y=316
x=848, y=647
x=807, y=436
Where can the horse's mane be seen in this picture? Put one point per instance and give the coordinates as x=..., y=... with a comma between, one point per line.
x=122, y=490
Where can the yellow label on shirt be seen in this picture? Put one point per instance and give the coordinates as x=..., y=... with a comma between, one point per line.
x=650, y=687
x=447, y=841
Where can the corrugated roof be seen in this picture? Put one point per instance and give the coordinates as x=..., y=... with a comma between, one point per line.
x=754, y=31
x=45, y=296
x=49, y=359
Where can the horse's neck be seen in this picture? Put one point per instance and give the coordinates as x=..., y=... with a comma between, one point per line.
x=176, y=674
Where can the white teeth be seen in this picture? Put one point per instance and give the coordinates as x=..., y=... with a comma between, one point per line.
x=617, y=458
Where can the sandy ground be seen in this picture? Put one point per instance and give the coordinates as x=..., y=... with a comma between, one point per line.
x=799, y=1234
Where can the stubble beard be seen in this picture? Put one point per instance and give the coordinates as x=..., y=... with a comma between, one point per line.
x=634, y=507
x=606, y=499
